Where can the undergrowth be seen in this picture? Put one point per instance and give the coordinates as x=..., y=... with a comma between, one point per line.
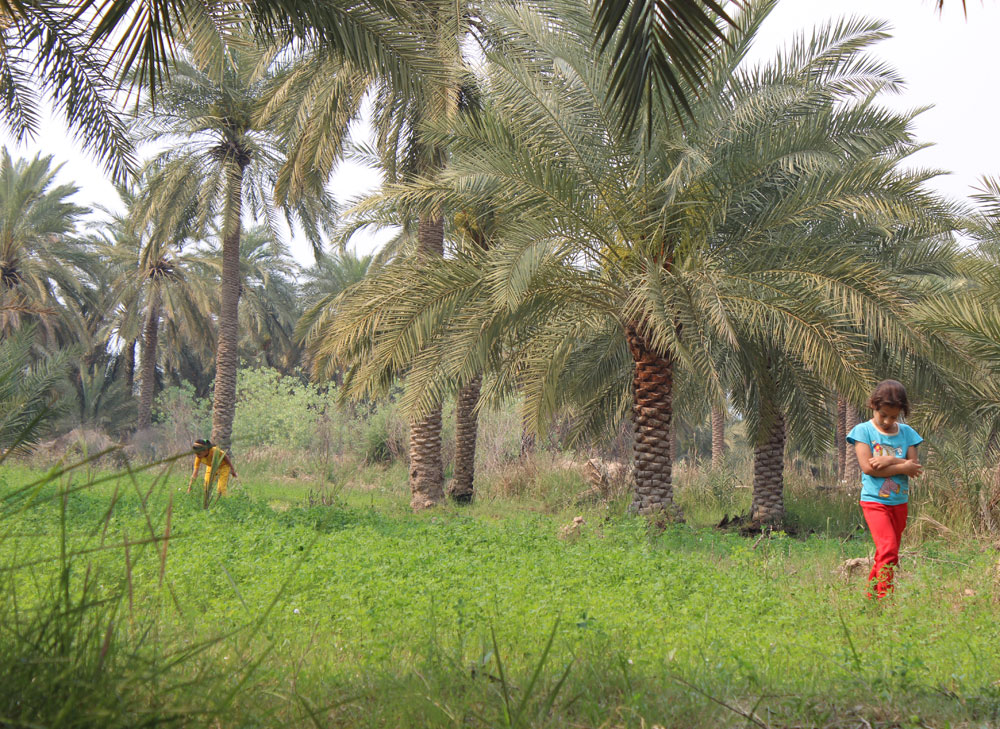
x=128, y=604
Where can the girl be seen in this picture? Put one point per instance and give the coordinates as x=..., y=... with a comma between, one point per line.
x=887, y=453
x=216, y=462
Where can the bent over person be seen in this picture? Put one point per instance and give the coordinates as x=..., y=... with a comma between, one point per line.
x=217, y=464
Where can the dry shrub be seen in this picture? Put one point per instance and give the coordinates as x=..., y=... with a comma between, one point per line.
x=76, y=445
x=498, y=445
x=555, y=480
x=511, y=480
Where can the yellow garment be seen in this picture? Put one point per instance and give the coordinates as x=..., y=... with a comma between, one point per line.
x=213, y=456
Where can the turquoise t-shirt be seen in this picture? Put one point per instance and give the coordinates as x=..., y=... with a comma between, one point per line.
x=895, y=489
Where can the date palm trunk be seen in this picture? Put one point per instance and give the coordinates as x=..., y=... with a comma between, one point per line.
x=769, y=476
x=528, y=443
x=852, y=471
x=652, y=412
x=147, y=375
x=426, y=471
x=226, y=354
x=130, y=367
x=466, y=430
x=841, y=435
x=718, y=437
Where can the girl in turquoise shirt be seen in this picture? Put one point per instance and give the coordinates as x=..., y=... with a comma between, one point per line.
x=886, y=450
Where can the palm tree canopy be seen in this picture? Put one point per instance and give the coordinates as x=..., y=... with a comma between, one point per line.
x=663, y=50
x=38, y=262
x=652, y=228
x=206, y=121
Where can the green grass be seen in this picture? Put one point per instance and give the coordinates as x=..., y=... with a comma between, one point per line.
x=362, y=614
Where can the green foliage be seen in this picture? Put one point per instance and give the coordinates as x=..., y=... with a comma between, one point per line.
x=467, y=618
x=27, y=396
x=277, y=410
x=382, y=438
x=182, y=414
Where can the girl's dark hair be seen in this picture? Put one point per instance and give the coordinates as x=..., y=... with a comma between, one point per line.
x=891, y=393
x=201, y=445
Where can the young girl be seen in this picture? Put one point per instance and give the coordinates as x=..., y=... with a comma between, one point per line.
x=887, y=453
x=213, y=457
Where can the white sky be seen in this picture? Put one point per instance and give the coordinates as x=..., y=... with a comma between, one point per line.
x=947, y=60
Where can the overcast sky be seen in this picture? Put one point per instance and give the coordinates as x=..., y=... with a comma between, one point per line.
x=948, y=61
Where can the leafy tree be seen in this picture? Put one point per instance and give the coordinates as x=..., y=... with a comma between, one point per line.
x=627, y=253
x=155, y=284
x=37, y=262
x=222, y=154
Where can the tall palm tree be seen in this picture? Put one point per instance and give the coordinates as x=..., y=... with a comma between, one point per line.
x=627, y=252
x=155, y=283
x=406, y=153
x=223, y=153
x=37, y=218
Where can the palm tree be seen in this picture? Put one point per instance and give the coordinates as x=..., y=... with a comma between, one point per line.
x=967, y=317
x=43, y=48
x=405, y=153
x=27, y=391
x=625, y=253
x=223, y=154
x=37, y=271
x=155, y=283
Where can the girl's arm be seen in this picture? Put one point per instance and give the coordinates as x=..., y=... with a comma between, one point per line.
x=903, y=468
x=899, y=467
x=232, y=468
x=197, y=467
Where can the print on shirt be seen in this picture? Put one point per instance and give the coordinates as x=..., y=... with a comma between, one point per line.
x=889, y=487
x=885, y=450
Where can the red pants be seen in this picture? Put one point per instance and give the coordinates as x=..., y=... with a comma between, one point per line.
x=886, y=524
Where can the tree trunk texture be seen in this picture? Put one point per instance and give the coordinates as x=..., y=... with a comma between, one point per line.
x=147, y=384
x=718, y=437
x=227, y=353
x=652, y=392
x=426, y=472
x=466, y=429
x=769, y=476
x=842, y=445
x=673, y=443
x=528, y=442
x=852, y=471
x=130, y=367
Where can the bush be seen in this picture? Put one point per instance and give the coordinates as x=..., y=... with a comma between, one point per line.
x=384, y=435
x=275, y=410
x=180, y=418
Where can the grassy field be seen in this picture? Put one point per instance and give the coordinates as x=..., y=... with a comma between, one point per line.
x=265, y=610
